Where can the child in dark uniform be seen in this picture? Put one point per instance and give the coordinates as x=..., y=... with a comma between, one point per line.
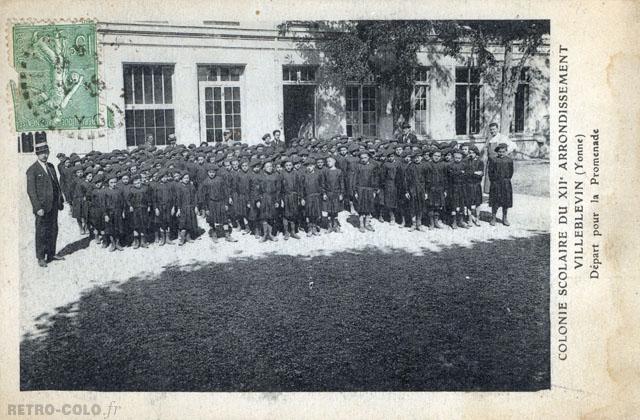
x=96, y=209
x=334, y=187
x=457, y=179
x=163, y=202
x=473, y=185
x=312, y=190
x=500, y=171
x=366, y=182
x=291, y=190
x=186, y=209
x=213, y=198
x=436, y=187
x=138, y=201
x=269, y=199
x=113, y=213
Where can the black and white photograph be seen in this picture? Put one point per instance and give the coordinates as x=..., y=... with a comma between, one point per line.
x=291, y=206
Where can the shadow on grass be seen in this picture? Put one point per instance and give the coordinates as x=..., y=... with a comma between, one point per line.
x=459, y=319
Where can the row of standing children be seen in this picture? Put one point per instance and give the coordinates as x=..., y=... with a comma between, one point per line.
x=153, y=194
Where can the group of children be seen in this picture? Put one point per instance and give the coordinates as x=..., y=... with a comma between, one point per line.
x=149, y=194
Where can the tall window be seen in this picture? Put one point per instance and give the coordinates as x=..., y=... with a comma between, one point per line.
x=468, y=101
x=148, y=99
x=420, y=101
x=220, y=104
x=25, y=143
x=299, y=74
x=521, y=103
x=361, y=110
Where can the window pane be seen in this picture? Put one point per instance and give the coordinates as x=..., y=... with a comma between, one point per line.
x=475, y=120
x=209, y=121
x=218, y=135
x=236, y=107
x=224, y=74
x=158, y=95
x=461, y=109
x=217, y=107
x=520, y=107
x=128, y=86
x=149, y=118
x=203, y=73
x=161, y=136
x=236, y=93
x=168, y=87
x=217, y=121
x=139, y=136
x=235, y=73
x=131, y=137
x=216, y=93
x=228, y=107
x=168, y=117
x=237, y=122
x=208, y=94
x=210, y=135
x=139, y=118
x=27, y=143
x=422, y=75
x=128, y=119
x=228, y=121
x=159, y=117
x=475, y=75
x=208, y=107
x=137, y=84
x=462, y=75
x=237, y=134
x=147, y=84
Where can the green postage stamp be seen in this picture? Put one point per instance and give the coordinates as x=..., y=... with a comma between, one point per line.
x=57, y=68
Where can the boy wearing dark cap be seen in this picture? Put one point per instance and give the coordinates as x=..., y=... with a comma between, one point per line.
x=291, y=192
x=392, y=184
x=163, y=200
x=96, y=209
x=500, y=171
x=473, y=185
x=436, y=183
x=268, y=200
x=186, y=203
x=456, y=172
x=113, y=213
x=416, y=190
x=253, y=215
x=366, y=183
x=138, y=202
x=77, y=204
x=334, y=190
x=213, y=198
x=312, y=190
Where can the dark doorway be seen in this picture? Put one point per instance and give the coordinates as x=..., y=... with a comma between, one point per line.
x=299, y=110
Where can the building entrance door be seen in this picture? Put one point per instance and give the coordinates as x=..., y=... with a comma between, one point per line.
x=299, y=111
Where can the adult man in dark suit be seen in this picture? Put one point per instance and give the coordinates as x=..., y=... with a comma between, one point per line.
x=44, y=192
x=407, y=136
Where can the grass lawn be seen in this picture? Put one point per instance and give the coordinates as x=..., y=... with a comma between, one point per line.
x=462, y=318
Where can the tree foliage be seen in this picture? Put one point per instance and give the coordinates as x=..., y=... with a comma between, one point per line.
x=386, y=51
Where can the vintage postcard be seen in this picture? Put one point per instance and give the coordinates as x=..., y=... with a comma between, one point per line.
x=280, y=210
